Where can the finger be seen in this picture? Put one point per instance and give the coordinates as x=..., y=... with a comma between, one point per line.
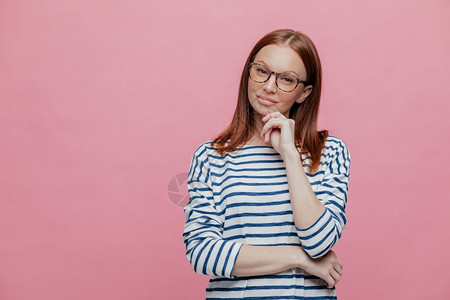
x=269, y=125
x=338, y=269
x=339, y=262
x=335, y=276
x=267, y=117
x=265, y=129
x=267, y=136
x=275, y=114
x=274, y=123
x=330, y=281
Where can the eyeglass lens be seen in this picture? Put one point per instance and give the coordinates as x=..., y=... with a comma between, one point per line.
x=285, y=81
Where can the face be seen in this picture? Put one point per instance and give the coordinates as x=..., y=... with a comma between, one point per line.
x=266, y=97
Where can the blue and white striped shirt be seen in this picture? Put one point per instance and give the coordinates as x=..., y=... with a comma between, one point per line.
x=243, y=198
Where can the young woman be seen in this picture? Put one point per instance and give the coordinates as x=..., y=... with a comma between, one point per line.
x=268, y=195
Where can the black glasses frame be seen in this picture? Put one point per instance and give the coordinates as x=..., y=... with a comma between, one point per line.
x=270, y=72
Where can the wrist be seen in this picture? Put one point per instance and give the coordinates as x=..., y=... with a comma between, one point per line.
x=290, y=155
x=300, y=258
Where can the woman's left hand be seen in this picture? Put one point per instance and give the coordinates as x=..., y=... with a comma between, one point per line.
x=279, y=130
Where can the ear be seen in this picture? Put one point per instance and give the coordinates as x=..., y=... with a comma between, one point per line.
x=304, y=94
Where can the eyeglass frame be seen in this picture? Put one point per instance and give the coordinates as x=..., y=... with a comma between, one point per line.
x=250, y=64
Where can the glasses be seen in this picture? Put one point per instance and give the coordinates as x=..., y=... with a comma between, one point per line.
x=284, y=81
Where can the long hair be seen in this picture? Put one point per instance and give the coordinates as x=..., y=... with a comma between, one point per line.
x=305, y=114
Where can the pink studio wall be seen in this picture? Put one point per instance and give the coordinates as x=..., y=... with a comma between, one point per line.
x=102, y=103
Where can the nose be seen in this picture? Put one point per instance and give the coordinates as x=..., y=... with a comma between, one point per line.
x=270, y=86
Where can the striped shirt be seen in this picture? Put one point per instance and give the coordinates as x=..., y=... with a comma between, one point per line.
x=243, y=198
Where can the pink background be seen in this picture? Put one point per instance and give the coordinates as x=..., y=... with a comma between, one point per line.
x=103, y=102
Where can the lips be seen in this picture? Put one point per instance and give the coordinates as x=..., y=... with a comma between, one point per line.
x=266, y=101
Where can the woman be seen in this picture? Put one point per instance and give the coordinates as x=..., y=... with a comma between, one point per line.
x=268, y=195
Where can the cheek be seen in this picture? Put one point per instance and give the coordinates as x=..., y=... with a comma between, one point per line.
x=288, y=99
x=252, y=86
x=295, y=96
x=250, y=91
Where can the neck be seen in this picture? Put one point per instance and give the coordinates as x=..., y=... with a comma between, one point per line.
x=258, y=126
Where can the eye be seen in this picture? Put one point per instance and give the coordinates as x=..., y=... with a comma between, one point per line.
x=287, y=79
x=261, y=71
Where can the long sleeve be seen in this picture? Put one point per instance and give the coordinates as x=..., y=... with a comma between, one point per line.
x=206, y=250
x=321, y=236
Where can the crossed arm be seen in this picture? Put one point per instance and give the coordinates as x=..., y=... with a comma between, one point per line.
x=210, y=254
x=312, y=219
x=264, y=260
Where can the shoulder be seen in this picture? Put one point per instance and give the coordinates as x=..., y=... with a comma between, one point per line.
x=335, y=154
x=204, y=151
x=202, y=148
x=335, y=145
x=199, y=169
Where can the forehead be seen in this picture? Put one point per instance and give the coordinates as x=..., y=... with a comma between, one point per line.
x=281, y=58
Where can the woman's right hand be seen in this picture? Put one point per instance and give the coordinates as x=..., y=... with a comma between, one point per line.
x=327, y=267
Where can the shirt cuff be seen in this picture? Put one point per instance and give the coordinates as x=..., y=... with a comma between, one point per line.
x=318, y=238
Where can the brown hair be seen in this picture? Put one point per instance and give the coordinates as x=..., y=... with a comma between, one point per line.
x=304, y=114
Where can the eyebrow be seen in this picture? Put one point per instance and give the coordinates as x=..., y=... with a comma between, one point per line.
x=264, y=63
